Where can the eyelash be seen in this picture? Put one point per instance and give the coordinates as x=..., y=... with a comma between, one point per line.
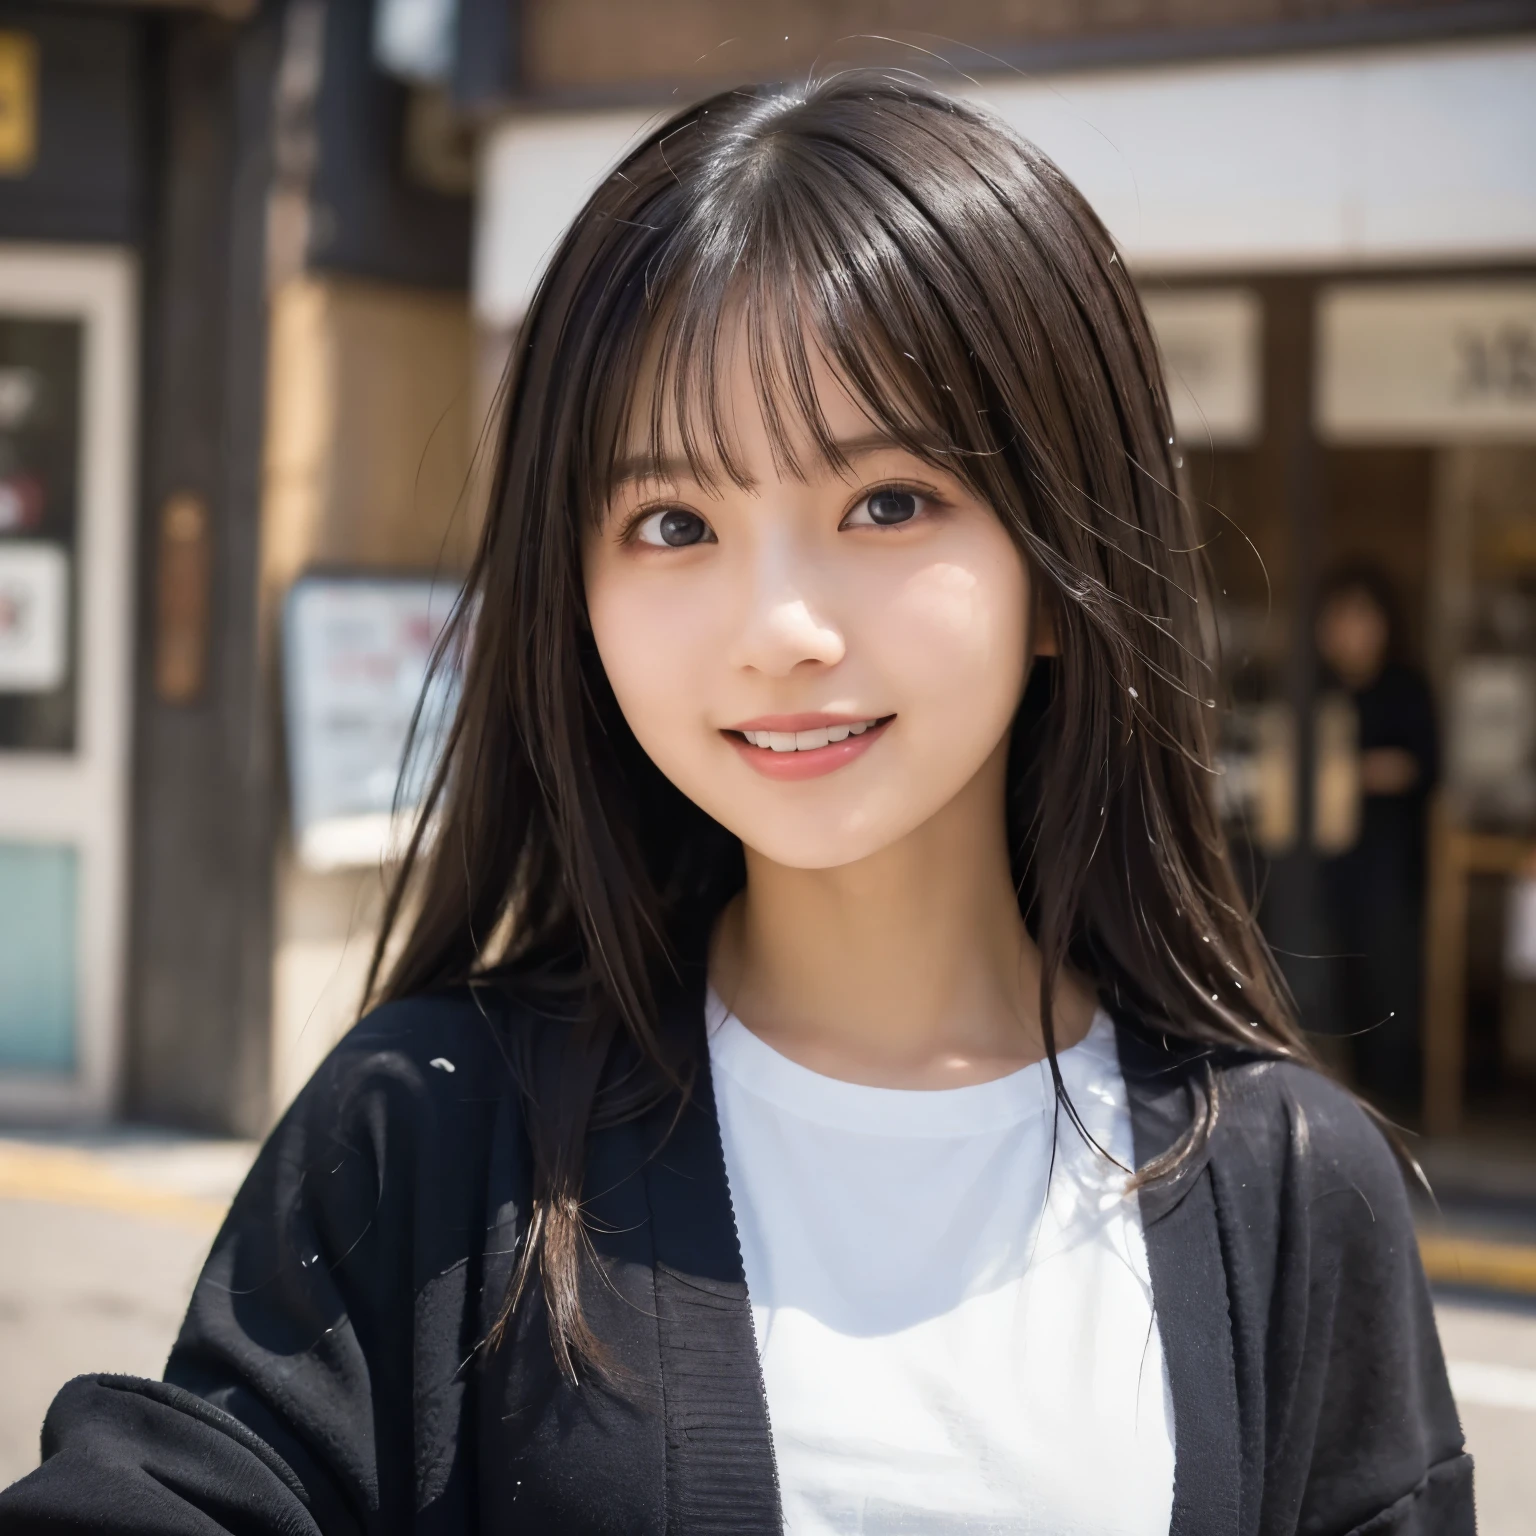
x=931, y=503
x=631, y=530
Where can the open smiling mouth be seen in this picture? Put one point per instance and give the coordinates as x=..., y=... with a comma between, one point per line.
x=808, y=754
x=809, y=741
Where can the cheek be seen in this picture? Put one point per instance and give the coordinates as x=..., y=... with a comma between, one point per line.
x=652, y=644
x=958, y=632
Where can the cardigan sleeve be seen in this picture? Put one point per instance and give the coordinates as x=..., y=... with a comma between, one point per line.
x=327, y=1324
x=1361, y=1435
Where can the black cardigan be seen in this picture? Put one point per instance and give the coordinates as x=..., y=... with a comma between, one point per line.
x=327, y=1377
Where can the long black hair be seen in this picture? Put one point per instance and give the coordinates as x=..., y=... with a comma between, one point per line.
x=960, y=285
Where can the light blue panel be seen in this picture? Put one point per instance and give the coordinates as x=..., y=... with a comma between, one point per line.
x=39, y=885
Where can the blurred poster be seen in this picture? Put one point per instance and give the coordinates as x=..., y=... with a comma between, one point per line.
x=34, y=607
x=1211, y=341
x=1491, y=740
x=40, y=436
x=357, y=650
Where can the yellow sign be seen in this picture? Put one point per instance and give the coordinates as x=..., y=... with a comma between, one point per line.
x=18, y=103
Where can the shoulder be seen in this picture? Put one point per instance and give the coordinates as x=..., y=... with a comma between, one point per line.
x=1285, y=1144
x=1299, y=1163
x=1265, y=1109
x=433, y=1045
x=1278, y=1110
x=454, y=1046
x=391, y=1145
x=419, y=1088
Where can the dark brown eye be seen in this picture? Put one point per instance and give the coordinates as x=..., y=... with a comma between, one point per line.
x=893, y=506
x=675, y=528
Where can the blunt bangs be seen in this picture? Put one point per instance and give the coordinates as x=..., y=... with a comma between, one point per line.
x=797, y=254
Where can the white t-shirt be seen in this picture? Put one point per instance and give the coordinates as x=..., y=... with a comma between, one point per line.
x=955, y=1338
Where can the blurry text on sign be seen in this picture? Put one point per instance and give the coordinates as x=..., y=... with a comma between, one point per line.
x=1427, y=362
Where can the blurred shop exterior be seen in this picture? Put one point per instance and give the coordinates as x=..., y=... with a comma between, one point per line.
x=263, y=264
x=234, y=347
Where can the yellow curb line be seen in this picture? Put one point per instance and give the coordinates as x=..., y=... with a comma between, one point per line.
x=62, y=1177
x=1480, y=1262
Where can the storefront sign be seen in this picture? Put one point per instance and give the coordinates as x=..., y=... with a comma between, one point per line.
x=18, y=103
x=356, y=654
x=1427, y=362
x=1211, y=341
x=34, y=617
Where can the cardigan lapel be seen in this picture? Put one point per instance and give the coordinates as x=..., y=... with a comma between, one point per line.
x=720, y=1468
x=1189, y=1293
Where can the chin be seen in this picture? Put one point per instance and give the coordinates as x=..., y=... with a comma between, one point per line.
x=796, y=840
x=811, y=852
x=831, y=822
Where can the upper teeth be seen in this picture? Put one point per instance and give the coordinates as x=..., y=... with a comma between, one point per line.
x=805, y=741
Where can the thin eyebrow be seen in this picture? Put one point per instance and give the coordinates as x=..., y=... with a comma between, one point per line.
x=643, y=467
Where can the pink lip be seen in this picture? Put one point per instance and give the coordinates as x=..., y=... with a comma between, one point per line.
x=810, y=722
x=788, y=767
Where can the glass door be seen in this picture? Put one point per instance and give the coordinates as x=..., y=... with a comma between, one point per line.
x=67, y=384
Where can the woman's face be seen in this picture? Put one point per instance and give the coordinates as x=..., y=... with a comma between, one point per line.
x=821, y=664
x=1352, y=636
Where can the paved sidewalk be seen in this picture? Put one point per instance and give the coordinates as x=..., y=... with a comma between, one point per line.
x=101, y=1238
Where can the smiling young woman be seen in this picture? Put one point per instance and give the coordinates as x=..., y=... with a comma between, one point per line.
x=873, y=1107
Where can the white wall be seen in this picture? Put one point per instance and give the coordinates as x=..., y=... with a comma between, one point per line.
x=1405, y=155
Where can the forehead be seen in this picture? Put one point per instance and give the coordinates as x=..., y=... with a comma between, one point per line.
x=738, y=397
x=738, y=406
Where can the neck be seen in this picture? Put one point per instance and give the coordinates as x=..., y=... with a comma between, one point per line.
x=909, y=968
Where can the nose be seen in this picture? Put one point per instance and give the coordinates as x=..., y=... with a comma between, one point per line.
x=783, y=625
